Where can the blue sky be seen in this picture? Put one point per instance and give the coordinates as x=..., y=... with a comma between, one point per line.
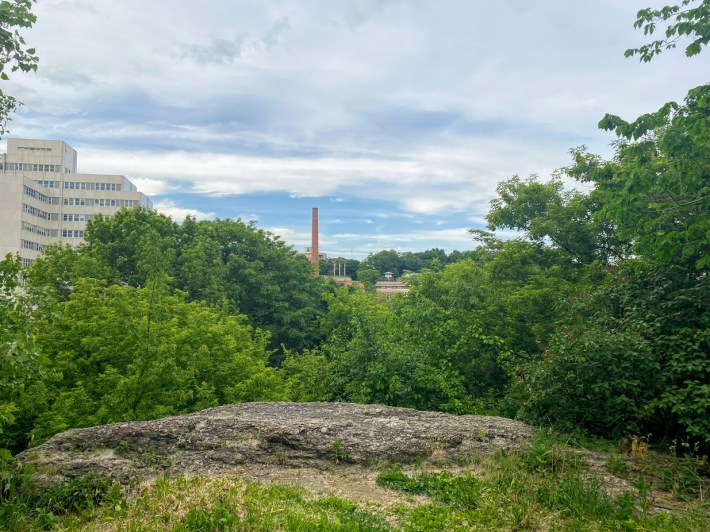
x=396, y=118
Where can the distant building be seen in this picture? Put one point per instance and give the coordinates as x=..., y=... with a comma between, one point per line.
x=346, y=280
x=387, y=288
x=43, y=200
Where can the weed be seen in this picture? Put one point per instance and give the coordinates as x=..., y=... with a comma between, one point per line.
x=80, y=494
x=545, y=456
x=643, y=488
x=281, y=456
x=215, y=519
x=682, y=477
x=639, y=448
x=338, y=454
x=123, y=448
x=616, y=465
x=458, y=491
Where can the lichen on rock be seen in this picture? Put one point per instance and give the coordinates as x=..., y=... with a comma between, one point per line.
x=312, y=435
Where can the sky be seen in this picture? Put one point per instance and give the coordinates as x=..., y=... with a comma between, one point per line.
x=396, y=118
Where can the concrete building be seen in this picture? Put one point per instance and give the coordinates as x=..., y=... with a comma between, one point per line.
x=43, y=200
x=386, y=289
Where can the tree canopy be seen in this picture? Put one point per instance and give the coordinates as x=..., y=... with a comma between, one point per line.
x=687, y=20
x=14, y=56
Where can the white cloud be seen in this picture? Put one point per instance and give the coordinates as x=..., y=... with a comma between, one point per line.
x=152, y=187
x=178, y=214
x=423, y=104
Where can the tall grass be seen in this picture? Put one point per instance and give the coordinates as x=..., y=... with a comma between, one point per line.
x=545, y=486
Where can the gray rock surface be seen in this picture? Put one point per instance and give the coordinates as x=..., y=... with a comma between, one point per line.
x=309, y=435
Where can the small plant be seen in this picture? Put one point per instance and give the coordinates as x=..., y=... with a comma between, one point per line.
x=80, y=494
x=616, y=465
x=418, y=462
x=639, y=448
x=547, y=457
x=461, y=492
x=217, y=518
x=644, y=491
x=682, y=478
x=338, y=454
x=123, y=448
x=281, y=456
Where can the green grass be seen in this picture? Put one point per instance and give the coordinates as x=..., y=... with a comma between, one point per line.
x=546, y=486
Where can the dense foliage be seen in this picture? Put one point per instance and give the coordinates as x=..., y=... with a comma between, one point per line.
x=14, y=55
x=375, y=265
x=596, y=318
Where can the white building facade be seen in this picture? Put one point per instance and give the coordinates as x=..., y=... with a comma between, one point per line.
x=43, y=200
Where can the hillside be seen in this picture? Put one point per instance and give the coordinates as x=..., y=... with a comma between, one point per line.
x=335, y=466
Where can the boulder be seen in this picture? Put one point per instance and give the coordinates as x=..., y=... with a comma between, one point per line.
x=312, y=435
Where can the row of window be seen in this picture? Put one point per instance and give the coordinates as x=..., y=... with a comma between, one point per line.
x=32, y=167
x=80, y=185
x=27, y=262
x=39, y=213
x=32, y=148
x=101, y=202
x=87, y=185
x=72, y=233
x=78, y=217
x=42, y=231
x=27, y=244
x=41, y=197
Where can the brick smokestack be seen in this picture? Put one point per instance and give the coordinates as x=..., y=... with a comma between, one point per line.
x=314, y=240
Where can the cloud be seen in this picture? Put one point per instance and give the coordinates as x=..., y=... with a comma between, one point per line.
x=421, y=105
x=152, y=187
x=218, y=52
x=249, y=217
x=178, y=214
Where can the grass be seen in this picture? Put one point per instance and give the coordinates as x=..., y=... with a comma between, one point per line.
x=546, y=486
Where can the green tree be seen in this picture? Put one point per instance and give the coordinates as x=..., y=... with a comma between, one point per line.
x=683, y=21
x=18, y=354
x=656, y=191
x=546, y=212
x=125, y=353
x=14, y=55
x=384, y=261
x=368, y=277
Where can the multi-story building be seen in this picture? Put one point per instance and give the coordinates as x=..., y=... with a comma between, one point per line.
x=43, y=200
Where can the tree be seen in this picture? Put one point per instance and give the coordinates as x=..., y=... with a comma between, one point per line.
x=368, y=277
x=656, y=191
x=546, y=212
x=21, y=361
x=17, y=351
x=384, y=261
x=124, y=353
x=685, y=22
x=13, y=54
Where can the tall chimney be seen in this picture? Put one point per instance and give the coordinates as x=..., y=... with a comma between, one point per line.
x=314, y=240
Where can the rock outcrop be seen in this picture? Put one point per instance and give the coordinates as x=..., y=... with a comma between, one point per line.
x=309, y=435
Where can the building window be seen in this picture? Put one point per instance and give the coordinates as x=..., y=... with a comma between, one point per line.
x=105, y=202
x=34, y=211
x=74, y=217
x=72, y=233
x=75, y=201
x=31, y=228
x=34, y=246
x=32, y=148
x=108, y=186
x=38, y=195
